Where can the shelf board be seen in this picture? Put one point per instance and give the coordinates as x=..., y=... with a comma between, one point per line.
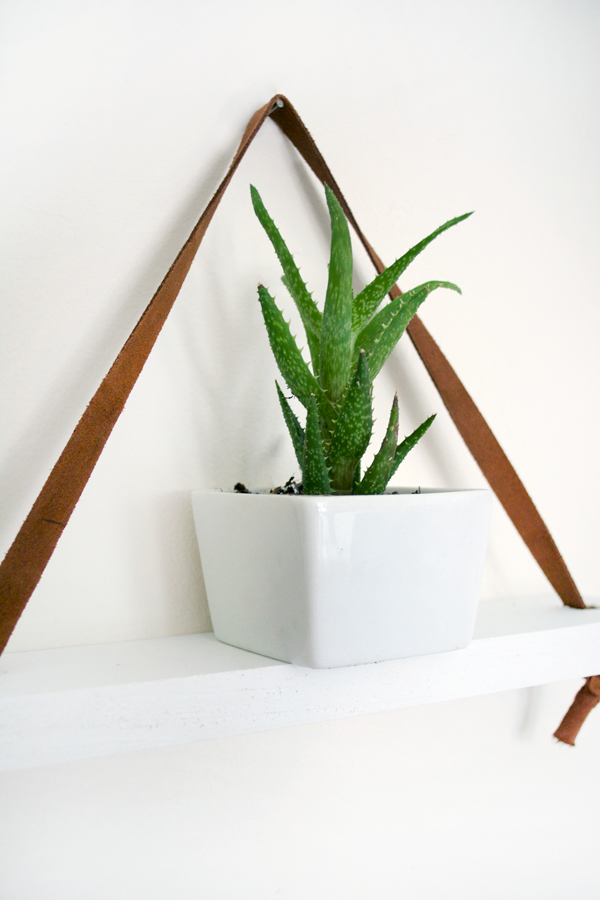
x=77, y=702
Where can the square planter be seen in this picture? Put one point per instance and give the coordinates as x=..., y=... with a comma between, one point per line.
x=326, y=581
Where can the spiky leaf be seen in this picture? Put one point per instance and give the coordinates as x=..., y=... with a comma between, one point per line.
x=385, y=329
x=379, y=472
x=353, y=428
x=309, y=312
x=366, y=303
x=409, y=442
x=292, y=366
x=315, y=474
x=336, y=329
x=294, y=427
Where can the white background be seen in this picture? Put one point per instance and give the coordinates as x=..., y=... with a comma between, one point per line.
x=119, y=120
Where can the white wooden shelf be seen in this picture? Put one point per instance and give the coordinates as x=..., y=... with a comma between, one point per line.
x=77, y=702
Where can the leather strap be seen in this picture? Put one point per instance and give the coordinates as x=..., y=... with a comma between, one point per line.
x=33, y=546
x=473, y=428
x=585, y=701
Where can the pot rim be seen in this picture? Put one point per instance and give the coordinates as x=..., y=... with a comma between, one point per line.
x=392, y=492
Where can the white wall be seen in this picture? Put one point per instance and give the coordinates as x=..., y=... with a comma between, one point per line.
x=120, y=118
x=467, y=800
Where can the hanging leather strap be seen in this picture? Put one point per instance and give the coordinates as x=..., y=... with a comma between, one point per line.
x=33, y=546
x=585, y=700
x=473, y=428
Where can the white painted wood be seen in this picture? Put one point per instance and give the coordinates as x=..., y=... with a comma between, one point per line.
x=77, y=702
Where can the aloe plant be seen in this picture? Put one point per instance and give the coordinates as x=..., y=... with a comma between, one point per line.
x=349, y=341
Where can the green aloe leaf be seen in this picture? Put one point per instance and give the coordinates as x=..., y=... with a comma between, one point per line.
x=379, y=472
x=315, y=474
x=294, y=427
x=408, y=443
x=336, y=329
x=366, y=303
x=309, y=312
x=292, y=366
x=385, y=329
x=353, y=428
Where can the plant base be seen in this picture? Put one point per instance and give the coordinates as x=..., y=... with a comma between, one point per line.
x=325, y=581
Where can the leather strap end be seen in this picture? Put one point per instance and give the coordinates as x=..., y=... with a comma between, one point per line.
x=585, y=701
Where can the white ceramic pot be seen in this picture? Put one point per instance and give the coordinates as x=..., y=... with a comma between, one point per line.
x=335, y=581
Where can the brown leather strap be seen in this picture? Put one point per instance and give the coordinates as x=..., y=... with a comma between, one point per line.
x=495, y=465
x=28, y=556
x=33, y=546
x=475, y=431
x=585, y=701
